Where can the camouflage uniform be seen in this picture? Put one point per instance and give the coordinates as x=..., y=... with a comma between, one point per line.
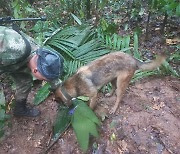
x=12, y=49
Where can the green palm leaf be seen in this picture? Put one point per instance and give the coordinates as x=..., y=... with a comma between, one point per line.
x=117, y=42
x=78, y=45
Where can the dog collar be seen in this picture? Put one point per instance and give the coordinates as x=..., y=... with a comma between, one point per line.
x=66, y=95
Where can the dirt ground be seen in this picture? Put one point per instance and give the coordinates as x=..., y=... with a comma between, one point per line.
x=147, y=121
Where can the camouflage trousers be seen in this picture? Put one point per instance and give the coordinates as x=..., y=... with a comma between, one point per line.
x=23, y=81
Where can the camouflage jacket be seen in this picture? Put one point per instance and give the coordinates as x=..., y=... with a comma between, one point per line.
x=14, y=54
x=13, y=50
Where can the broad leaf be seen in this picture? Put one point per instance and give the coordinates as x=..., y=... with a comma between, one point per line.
x=63, y=120
x=83, y=127
x=84, y=123
x=86, y=111
x=42, y=94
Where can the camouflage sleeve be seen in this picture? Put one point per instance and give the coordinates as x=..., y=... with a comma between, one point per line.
x=55, y=83
x=12, y=46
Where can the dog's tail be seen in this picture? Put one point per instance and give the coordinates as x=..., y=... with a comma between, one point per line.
x=146, y=66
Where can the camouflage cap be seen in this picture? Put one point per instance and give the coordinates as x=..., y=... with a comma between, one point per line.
x=49, y=63
x=12, y=46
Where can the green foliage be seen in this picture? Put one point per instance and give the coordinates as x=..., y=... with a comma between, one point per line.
x=40, y=30
x=83, y=120
x=2, y=97
x=84, y=124
x=143, y=74
x=108, y=28
x=116, y=42
x=3, y=116
x=42, y=94
x=136, y=46
x=82, y=44
x=164, y=69
x=137, y=9
x=83, y=9
x=22, y=9
x=178, y=10
x=167, y=69
x=171, y=7
x=78, y=45
x=76, y=19
x=63, y=120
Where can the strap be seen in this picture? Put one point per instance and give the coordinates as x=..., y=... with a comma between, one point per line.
x=67, y=96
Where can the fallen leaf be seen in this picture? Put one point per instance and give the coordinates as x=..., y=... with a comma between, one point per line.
x=155, y=99
x=158, y=106
x=172, y=41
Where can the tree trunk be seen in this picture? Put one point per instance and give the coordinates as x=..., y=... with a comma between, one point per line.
x=88, y=7
x=147, y=25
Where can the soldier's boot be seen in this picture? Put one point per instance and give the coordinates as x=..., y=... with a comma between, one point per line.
x=21, y=109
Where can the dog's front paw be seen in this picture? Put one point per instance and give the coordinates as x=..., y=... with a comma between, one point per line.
x=112, y=111
x=108, y=94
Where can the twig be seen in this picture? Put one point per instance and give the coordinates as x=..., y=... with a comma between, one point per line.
x=147, y=25
x=50, y=137
x=55, y=141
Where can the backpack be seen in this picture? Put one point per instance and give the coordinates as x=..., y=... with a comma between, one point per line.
x=14, y=47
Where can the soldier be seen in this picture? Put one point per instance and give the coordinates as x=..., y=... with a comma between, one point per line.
x=22, y=59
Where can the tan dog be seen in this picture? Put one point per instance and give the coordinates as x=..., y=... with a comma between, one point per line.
x=117, y=68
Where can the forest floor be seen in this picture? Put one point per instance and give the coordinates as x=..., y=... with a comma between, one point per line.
x=147, y=121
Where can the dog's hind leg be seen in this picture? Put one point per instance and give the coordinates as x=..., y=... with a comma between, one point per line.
x=122, y=82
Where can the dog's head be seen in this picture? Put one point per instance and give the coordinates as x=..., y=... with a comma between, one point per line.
x=62, y=96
